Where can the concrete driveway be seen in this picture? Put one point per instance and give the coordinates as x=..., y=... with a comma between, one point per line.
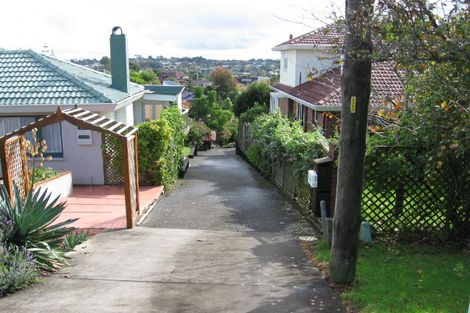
x=224, y=240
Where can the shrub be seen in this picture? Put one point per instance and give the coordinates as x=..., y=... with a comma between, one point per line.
x=252, y=113
x=42, y=173
x=28, y=223
x=161, y=144
x=154, y=141
x=283, y=140
x=256, y=157
x=17, y=268
x=197, y=131
x=229, y=132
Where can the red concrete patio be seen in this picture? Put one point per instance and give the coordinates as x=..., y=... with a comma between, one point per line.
x=103, y=206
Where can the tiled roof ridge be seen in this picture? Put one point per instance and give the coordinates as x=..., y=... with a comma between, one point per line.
x=43, y=60
x=324, y=30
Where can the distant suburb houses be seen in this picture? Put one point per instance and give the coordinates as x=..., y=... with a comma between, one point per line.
x=309, y=89
x=32, y=85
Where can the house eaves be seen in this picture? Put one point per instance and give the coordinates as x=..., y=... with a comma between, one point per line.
x=50, y=108
x=315, y=107
x=129, y=100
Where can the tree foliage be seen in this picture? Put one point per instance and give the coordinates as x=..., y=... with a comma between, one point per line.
x=431, y=124
x=217, y=116
x=223, y=81
x=255, y=93
x=144, y=77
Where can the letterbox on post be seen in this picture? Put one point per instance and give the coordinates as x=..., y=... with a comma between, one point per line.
x=322, y=191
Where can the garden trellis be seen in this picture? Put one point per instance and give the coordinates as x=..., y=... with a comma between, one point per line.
x=15, y=165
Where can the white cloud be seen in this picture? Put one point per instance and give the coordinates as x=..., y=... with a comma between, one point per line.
x=217, y=29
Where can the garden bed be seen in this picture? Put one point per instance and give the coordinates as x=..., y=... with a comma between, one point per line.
x=59, y=186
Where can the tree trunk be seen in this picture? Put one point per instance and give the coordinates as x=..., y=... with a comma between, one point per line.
x=355, y=103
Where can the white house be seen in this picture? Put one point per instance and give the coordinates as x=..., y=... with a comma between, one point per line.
x=310, y=79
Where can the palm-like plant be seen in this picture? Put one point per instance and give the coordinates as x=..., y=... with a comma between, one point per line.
x=31, y=219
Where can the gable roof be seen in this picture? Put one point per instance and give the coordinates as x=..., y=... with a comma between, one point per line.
x=29, y=78
x=325, y=90
x=327, y=36
x=165, y=89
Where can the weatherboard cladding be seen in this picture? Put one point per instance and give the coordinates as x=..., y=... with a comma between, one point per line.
x=27, y=78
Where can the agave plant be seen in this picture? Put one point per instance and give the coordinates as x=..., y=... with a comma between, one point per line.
x=32, y=226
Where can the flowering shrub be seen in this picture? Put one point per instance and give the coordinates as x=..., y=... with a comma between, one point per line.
x=17, y=268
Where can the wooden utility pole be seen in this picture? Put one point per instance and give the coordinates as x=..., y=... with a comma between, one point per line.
x=356, y=81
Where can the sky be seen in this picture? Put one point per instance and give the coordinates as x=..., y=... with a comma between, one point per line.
x=216, y=29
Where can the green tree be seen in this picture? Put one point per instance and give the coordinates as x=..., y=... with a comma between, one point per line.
x=255, y=93
x=105, y=64
x=433, y=122
x=144, y=78
x=134, y=66
x=223, y=81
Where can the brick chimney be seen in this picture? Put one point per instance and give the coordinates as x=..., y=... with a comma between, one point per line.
x=119, y=60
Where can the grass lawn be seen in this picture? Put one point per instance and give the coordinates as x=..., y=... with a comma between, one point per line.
x=408, y=279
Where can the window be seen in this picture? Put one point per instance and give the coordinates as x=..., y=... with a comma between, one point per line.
x=285, y=61
x=52, y=134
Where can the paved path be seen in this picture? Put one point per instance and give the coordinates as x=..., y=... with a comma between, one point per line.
x=224, y=240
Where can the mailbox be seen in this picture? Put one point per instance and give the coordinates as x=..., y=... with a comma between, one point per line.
x=84, y=137
x=312, y=178
x=320, y=179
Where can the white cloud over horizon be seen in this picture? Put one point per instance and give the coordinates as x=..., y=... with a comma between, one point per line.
x=240, y=29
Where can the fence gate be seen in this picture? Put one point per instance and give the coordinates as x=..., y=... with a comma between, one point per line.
x=15, y=165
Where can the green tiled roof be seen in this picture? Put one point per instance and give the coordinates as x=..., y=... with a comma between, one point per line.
x=28, y=78
x=165, y=90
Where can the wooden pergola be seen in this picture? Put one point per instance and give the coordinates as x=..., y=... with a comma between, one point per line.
x=15, y=163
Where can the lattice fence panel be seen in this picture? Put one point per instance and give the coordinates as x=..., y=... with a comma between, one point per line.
x=112, y=160
x=416, y=203
x=17, y=175
x=303, y=193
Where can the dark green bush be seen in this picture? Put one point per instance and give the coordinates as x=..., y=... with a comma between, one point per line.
x=257, y=92
x=259, y=161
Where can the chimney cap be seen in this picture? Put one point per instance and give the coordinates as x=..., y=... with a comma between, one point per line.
x=115, y=29
x=291, y=36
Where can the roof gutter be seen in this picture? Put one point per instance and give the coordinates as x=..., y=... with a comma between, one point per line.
x=129, y=100
x=315, y=107
x=51, y=108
